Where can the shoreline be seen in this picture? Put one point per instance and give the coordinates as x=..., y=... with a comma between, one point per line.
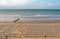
x=31, y=23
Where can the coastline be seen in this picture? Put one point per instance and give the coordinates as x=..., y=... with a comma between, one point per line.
x=34, y=22
x=31, y=23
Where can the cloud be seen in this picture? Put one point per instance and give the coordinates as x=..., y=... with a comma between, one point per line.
x=50, y=4
x=13, y=2
x=28, y=3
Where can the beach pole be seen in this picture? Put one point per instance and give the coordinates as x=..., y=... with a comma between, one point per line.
x=45, y=36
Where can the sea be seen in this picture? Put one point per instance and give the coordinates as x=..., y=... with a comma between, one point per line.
x=30, y=15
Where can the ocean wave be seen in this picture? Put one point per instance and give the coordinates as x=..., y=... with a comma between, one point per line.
x=11, y=18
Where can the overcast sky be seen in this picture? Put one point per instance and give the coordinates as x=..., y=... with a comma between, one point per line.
x=29, y=4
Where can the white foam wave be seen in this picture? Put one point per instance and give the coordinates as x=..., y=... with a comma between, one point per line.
x=11, y=18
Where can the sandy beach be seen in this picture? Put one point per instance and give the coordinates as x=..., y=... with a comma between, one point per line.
x=30, y=30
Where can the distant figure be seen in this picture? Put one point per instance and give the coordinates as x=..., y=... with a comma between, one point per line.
x=16, y=20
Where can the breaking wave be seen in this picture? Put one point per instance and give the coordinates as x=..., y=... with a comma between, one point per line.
x=30, y=18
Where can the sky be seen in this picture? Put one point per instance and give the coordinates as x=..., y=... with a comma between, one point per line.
x=29, y=4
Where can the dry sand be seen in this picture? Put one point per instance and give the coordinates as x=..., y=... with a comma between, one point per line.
x=17, y=32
